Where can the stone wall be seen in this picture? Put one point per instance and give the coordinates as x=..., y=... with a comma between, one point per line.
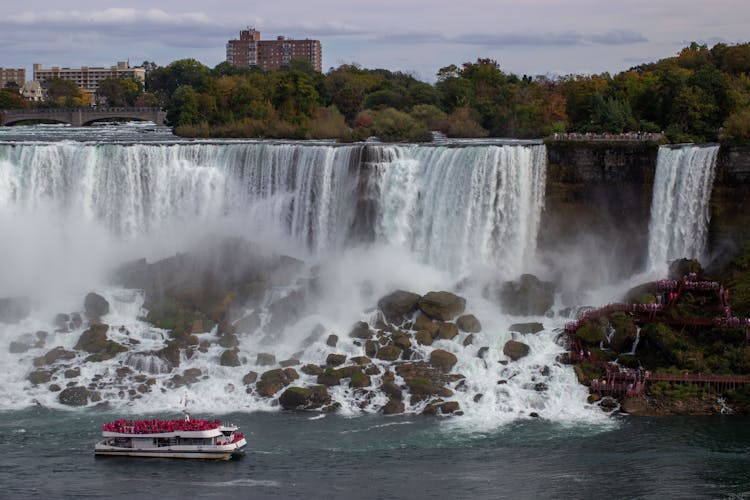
x=730, y=203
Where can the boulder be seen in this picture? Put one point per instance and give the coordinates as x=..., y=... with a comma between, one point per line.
x=401, y=340
x=230, y=357
x=442, y=306
x=332, y=340
x=482, y=352
x=75, y=396
x=14, y=309
x=529, y=296
x=359, y=379
x=311, y=369
x=526, y=328
x=330, y=377
x=18, y=347
x=40, y=377
x=625, y=332
x=95, y=341
x=515, y=350
x=468, y=340
x=469, y=323
x=360, y=330
x=250, y=378
x=683, y=267
x=265, y=359
x=393, y=407
x=289, y=362
x=54, y=355
x=398, y=304
x=72, y=372
x=442, y=360
x=229, y=340
x=61, y=322
x=304, y=398
x=391, y=390
x=361, y=360
x=447, y=331
x=291, y=373
x=371, y=347
x=335, y=359
x=423, y=337
x=422, y=388
x=272, y=382
x=95, y=306
x=389, y=353
x=285, y=311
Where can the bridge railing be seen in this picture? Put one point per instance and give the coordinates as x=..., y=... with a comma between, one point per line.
x=48, y=111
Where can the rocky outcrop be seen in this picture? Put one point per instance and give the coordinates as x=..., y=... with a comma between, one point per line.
x=58, y=353
x=442, y=306
x=230, y=357
x=529, y=296
x=526, y=328
x=77, y=396
x=272, y=382
x=398, y=304
x=469, y=323
x=304, y=398
x=515, y=350
x=361, y=330
x=443, y=360
x=95, y=306
x=95, y=341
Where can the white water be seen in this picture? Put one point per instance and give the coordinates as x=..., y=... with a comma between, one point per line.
x=679, y=208
x=441, y=214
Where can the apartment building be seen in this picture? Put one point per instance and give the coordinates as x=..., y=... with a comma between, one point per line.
x=249, y=50
x=16, y=75
x=88, y=78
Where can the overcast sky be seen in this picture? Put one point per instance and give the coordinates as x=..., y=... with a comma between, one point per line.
x=418, y=36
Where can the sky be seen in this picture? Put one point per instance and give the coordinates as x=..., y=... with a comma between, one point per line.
x=533, y=37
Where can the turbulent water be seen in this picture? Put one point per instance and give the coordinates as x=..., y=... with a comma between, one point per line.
x=679, y=209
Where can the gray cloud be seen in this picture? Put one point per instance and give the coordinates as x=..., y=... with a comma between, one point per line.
x=564, y=38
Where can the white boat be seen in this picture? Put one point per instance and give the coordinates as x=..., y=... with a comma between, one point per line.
x=188, y=438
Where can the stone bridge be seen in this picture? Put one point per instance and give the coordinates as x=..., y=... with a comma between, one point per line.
x=79, y=117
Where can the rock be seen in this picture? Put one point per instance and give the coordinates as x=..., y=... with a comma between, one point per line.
x=625, y=332
x=534, y=414
x=17, y=347
x=360, y=330
x=230, y=357
x=540, y=387
x=371, y=347
x=447, y=331
x=72, y=372
x=332, y=340
x=468, y=340
x=423, y=337
x=75, y=321
x=469, y=323
x=14, y=309
x=54, y=355
x=398, y=304
x=250, y=378
x=191, y=375
x=95, y=341
x=265, y=359
x=482, y=352
x=301, y=398
x=75, y=396
x=335, y=359
x=285, y=311
x=442, y=306
x=526, y=328
x=393, y=407
x=477, y=397
x=682, y=267
x=389, y=353
x=95, y=306
x=515, y=350
x=372, y=370
x=229, y=340
x=123, y=372
x=422, y=387
x=449, y=407
x=528, y=296
x=272, y=382
x=443, y=360
x=310, y=369
x=392, y=390
x=330, y=377
x=361, y=360
x=54, y=388
x=40, y=377
x=61, y=322
x=289, y=362
x=401, y=340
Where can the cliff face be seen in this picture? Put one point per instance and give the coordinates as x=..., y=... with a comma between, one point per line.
x=598, y=202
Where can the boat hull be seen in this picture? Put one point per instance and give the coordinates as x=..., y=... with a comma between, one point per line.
x=225, y=452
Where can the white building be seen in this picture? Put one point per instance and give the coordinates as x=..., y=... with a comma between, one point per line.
x=88, y=78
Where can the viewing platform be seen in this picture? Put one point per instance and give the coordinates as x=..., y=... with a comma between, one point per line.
x=79, y=117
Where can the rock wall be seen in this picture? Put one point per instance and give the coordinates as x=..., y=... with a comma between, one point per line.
x=598, y=200
x=730, y=204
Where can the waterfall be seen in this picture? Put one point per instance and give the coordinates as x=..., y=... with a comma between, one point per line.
x=679, y=207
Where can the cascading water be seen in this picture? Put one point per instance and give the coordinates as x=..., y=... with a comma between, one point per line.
x=679, y=208
x=436, y=213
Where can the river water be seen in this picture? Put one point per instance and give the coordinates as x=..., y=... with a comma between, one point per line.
x=77, y=201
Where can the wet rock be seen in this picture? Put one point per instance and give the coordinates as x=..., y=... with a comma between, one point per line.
x=72, y=372
x=423, y=337
x=482, y=352
x=469, y=323
x=682, y=267
x=265, y=359
x=421, y=388
x=285, y=311
x=14, y=309
x=515, y=350
x=75, y=396
x=526, y=328
x=361, y=360
x=332, y=340
x=534, y=414
x=443, y=360
x=529, y=296
x=95, y=306
x=395, y=306
x=229, y=340
x=360, y=330
x=54, y=388
x=545, y=371
x=391, y=390
x=40, y=377
x=401, y=340
x=61, y=322
x=540, y=387
x=389, y=353
x=250, y=378
x=291, y=374
x=372, y=370
x=301, y=398
x=123, y=372
x=289, y=362
x=54, y=355
x=272, y=382
x=95, y=341
x=468, y=340
x=449, y=407
x=170, y=354
x=424, y=322
x=394, y=407
x=371, y=347
x=477, y=397
x=335, y=359
x=447, y=331
x=330, y=377
x=230, y=357
x=442, y=306
x=311, y=369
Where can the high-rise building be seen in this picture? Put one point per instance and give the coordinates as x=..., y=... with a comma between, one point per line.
x=270, y=55
x=18, y=76
x=88, y=78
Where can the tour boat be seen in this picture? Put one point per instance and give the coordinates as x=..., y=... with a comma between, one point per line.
x=187, y=438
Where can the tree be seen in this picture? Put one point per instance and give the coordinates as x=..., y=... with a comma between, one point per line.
x=119, y=91
x=184, y=107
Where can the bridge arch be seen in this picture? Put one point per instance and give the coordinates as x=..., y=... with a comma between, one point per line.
x=82, y=116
